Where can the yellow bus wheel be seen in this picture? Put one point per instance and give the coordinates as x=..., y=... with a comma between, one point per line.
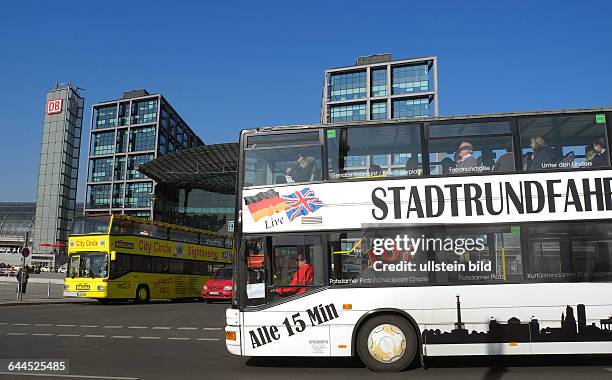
x=142, y=294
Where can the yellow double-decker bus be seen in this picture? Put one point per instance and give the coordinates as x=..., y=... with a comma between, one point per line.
x=122, y=257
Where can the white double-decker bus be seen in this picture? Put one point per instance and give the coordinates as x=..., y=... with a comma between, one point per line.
x=397, y=241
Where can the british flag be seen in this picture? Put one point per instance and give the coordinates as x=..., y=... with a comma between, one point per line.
x=301, y=202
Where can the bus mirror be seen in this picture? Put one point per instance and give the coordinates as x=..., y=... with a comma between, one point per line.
x=113, y=255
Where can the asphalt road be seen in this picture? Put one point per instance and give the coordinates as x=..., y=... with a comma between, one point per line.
x=166, y=340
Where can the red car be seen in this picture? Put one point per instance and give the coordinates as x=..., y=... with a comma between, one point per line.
x=219, y=286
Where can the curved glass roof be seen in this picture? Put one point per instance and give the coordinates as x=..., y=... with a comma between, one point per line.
x=15, y=217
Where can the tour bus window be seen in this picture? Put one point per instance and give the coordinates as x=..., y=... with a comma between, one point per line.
x=176, y=266
x=376, y=151
x=120, y=266
x=282, y=158
x=121, y=227
x=471, y=155
x=564, y=142
x=377, y=258
x=255, y=249
x=468, y=255
x=469, y=129
x=150, y=230
x=141, y=263
x=570, y=252
x=183, y=236
x=297, y=264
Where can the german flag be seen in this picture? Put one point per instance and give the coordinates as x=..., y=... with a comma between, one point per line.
x=266, y=203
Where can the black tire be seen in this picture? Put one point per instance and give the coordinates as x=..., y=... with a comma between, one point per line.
x=387, y=363
x=142, y=294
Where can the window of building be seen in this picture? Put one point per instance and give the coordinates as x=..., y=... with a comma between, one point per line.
x=351, y=112
x=461, y=148
x=124, y=114
x=122, y=141
x=138, y=194
x=411, y=108
x=379, y=110
x=103, y=143
x=119, y=171
x=99, y=196
x=163, y=144
x=118, y=195
x=144, y=111
x=138, y=213
x=564, y=142
x=142, y=139
x=375, y=151
x=379, y=82
x=410, y=79
x=283, y=158
x=347, y=86
x=101, y=169
x=105, y=117
x=134, y=162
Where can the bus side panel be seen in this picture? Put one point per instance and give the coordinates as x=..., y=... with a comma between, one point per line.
x=504, y=319
x=543, y=318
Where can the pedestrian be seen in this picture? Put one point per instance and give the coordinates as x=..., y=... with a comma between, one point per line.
x=23, y=273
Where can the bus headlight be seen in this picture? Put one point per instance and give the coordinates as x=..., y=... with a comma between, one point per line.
x=205, y=287
x=66, y=287
x=100, y=287
x=228, y=287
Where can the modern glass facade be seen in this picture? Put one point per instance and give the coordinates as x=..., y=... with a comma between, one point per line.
x=348, y=86
x=381, y=89
x=58, y=171
x=349, y=112
x=194, y=207
x=126, y=134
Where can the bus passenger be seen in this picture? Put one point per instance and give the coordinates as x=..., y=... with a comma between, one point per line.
x=466, y=160
x=544, y=156
x=600, y=159
x=506, y=162
x=375, y=170
x=304, y=170
x=447, y=165
x=302, y=276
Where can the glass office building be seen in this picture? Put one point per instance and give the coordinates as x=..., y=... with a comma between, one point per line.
x=58, y=172
x=125, y=134
x=378, y=88
x=196, y=187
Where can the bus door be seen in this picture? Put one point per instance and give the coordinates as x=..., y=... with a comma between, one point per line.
x=281, y=272
x=73, y=270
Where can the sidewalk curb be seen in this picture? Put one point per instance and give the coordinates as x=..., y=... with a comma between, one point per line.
x=42, y=302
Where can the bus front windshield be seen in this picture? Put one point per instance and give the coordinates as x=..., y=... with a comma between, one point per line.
x=92, y=265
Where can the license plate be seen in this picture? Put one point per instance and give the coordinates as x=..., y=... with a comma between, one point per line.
x=213, y=293
x=74, y=294
x=82, y=287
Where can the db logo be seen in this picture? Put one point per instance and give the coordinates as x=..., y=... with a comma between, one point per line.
x=54, y=106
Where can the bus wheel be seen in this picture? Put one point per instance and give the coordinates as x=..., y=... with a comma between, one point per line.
x=387, y=343
x=142, y=294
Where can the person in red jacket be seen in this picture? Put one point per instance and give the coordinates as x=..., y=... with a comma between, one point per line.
x=302, y=276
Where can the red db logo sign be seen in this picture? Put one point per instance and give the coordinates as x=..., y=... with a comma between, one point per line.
x=54, y=106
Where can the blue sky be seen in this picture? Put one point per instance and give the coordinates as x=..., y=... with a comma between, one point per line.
x=226, y=66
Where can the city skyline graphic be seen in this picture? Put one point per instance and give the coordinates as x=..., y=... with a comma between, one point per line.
x=572, y=329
